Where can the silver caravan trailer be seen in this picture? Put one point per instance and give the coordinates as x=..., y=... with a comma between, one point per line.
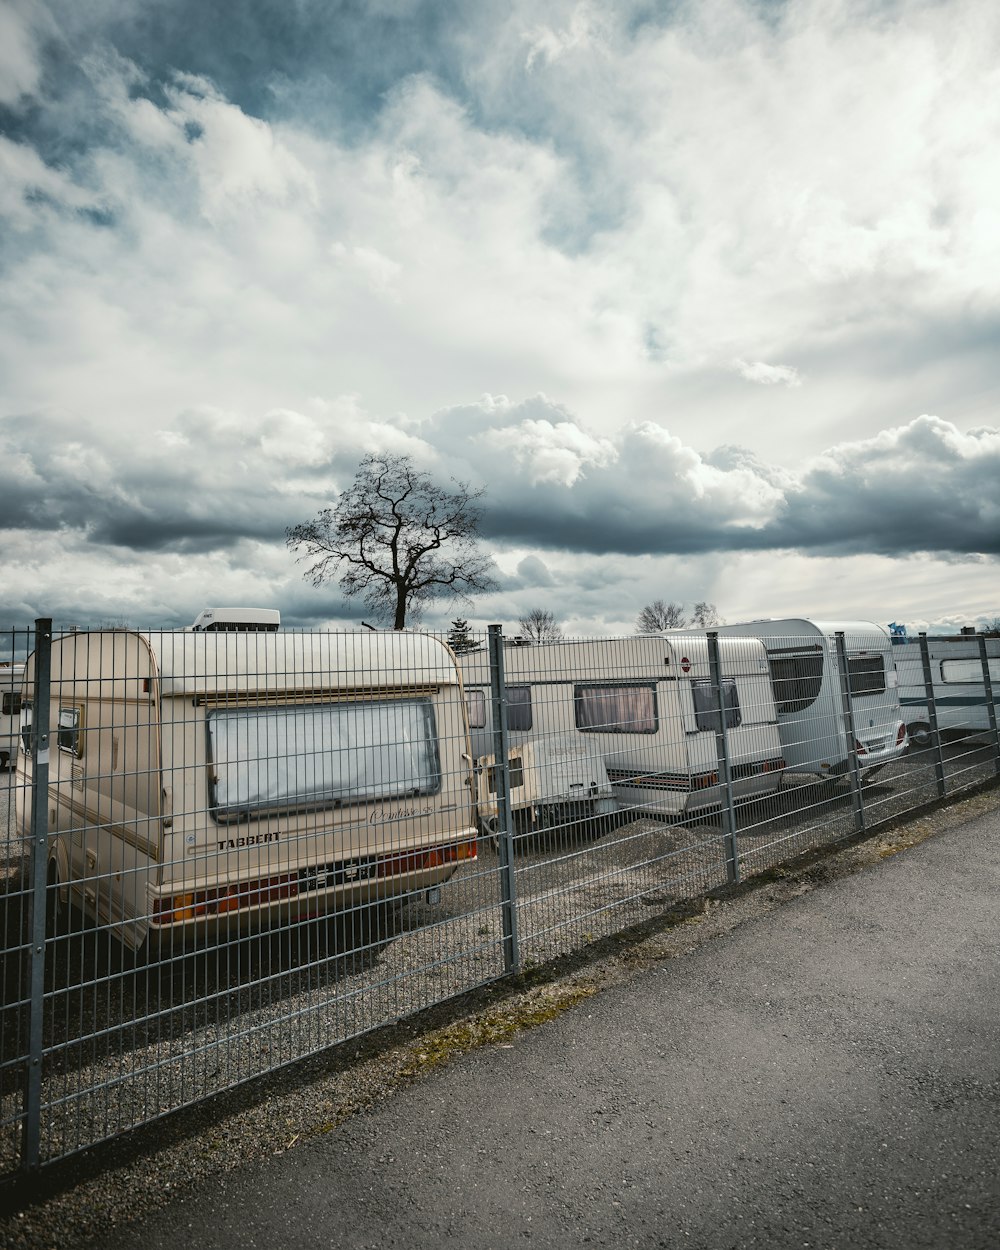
x=10, y=710
x=207, y=781
x=646, y=705
x=807, y=692
x=958, y=685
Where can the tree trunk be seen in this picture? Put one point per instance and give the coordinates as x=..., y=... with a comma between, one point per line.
x=400, y=621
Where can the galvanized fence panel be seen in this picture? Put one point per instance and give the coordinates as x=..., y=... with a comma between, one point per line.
x=15, y=908
x=252, y=846
x=258, y=845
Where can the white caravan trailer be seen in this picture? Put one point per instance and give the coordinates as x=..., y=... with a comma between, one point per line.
x=957, y=684
x=554, y=781
x=803, y=658
x=10, y=710
x=646, y=705
x=201, y=781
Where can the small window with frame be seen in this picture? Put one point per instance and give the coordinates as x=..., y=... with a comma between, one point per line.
x=69, y=731
x=475, y=702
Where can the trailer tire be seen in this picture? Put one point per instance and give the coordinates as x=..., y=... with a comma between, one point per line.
x=920, y=736
x=4, y=761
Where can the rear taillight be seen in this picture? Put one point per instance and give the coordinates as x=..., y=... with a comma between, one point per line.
x=192, y=904
x=417, y=861
x=900, y=735
x=860, y=747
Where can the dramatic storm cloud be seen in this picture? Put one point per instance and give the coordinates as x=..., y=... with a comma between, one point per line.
x=676, y=284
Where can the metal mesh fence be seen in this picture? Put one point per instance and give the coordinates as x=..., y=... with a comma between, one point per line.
x=225, y=850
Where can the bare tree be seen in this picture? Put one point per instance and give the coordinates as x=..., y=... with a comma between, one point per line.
x=705, y=614
x=540, y=626
x=396, y=540
x=658, y=616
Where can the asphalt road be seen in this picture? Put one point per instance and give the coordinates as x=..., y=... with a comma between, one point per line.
x=826, y=1075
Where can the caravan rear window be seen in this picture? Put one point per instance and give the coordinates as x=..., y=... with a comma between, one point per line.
x=706, y=715
x=518, y=708
x=796, y=678
x=865, y=674
x=320, y=755
x=616, y=709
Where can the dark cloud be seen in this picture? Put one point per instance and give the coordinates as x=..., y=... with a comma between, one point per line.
x=921, y=487
x=211, y=483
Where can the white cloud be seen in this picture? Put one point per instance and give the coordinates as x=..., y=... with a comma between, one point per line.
x=767, y=375
x=20, y=70
x=547, y=44
x=557, y=454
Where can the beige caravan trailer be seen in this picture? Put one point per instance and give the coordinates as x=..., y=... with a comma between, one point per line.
x=207, y=780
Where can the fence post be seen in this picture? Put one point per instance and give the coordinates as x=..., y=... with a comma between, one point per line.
x=925, y=660
x=991, y=707
x=505, y=832
x=31, y=1135
x=857, y=799
x=722, y=754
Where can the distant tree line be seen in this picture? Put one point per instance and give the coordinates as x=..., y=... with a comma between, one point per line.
x=660, y=615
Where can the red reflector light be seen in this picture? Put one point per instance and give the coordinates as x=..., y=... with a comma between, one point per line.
x=176, y=908
x=432, y=857
x=900, y=735
x=860, y=748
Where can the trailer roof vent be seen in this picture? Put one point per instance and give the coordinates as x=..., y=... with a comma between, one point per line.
x=237, y=620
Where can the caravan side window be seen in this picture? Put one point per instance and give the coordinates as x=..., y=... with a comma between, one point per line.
x=796, y=679
x=968, y=670
x=320, y=755
x=475, y=702
x=620, y=709
x=706, y=715
x=519, y=708
x=865, y=674
x=69, y=736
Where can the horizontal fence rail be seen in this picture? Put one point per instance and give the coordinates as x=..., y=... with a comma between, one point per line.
x=224, y=851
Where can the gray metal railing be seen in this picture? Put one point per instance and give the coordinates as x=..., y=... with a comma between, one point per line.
x=225, y=854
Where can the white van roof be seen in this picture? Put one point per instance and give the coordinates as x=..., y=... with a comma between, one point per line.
x=234, y=620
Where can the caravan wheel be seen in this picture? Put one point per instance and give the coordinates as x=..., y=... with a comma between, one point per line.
x=920, y=736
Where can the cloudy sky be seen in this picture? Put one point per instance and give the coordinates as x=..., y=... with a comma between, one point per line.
x=705, y=294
